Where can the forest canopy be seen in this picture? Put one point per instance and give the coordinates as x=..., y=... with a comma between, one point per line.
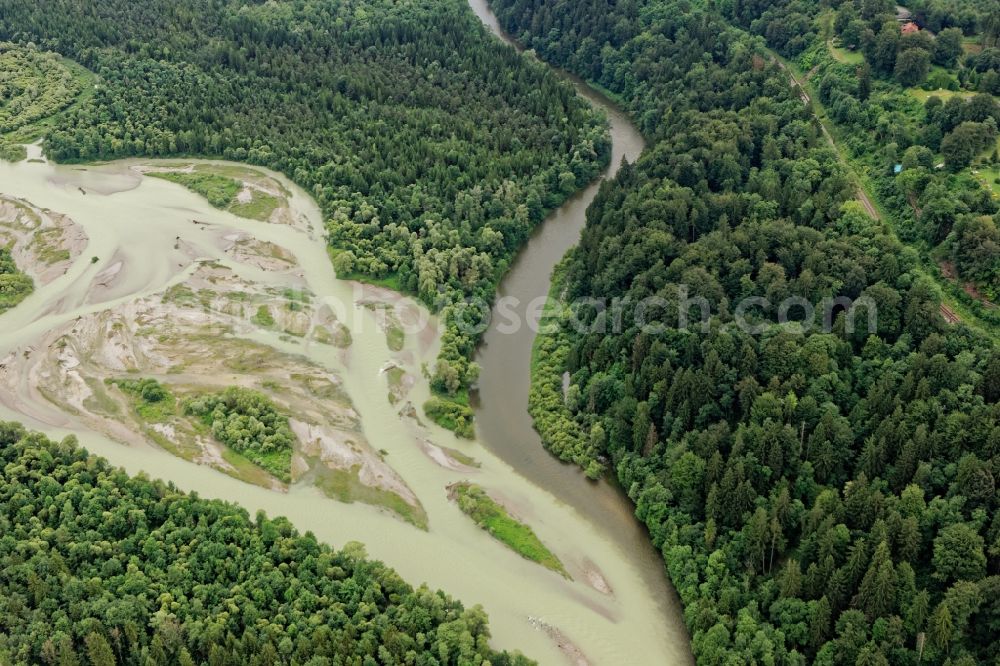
x=919, y=112
x=33, y=85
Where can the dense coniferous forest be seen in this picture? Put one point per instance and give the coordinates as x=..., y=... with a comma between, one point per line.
x=100, y=568
x=819, y=497
x=431, y=148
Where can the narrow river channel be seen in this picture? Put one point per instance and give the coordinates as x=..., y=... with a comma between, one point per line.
x=504, y=424
x=147, y=235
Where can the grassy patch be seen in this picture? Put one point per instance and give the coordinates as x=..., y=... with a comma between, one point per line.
x=451, y=416
x=249, y=360
x=221, y=185
x=181, y=294
x=99, y=401
x=260, y=207
x=323, y=388
x=462, y=458
x=263, y=317
x=394, y=376
x=395, y=338
x=243, y=468
x=973, y=44
x=945, y=94
x=843, y=55
x=296, y=298
x=345, y=486
x=218, y=190
x=460, y=397
x=242, y=173
x=990, y=178
x=490, y=516
x=46, y=245
x=337, y=335
x=153, y=402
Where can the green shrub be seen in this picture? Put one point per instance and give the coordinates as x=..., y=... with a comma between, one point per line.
x=153, y=401
x=249, y=423
x=12, y=152
x=450, y=415
x=34, y=85
x=263, y=317
x=15, y=286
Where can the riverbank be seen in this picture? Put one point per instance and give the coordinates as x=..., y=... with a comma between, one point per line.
x=503, y=422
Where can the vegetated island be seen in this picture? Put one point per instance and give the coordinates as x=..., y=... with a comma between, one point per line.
x=242, y=191
x=243, y=419
x=492, y=517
